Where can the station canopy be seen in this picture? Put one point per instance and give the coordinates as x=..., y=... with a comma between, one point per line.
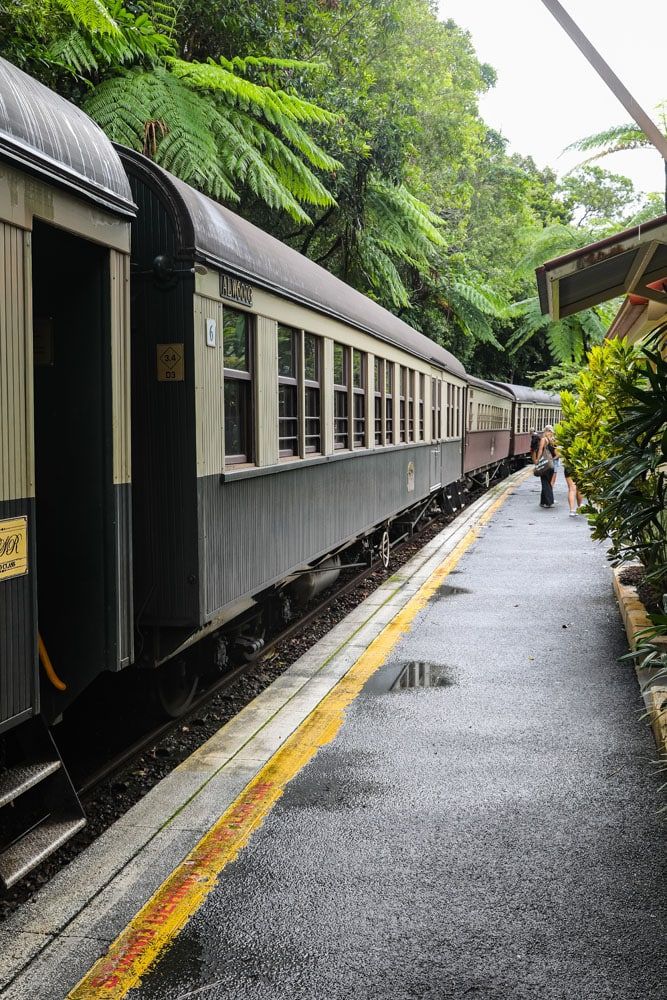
x=632, y=263
x=44, y=135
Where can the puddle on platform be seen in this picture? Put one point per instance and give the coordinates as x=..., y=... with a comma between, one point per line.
x=418, y=674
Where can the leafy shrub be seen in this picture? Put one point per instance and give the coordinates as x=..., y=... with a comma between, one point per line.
x=614, y=438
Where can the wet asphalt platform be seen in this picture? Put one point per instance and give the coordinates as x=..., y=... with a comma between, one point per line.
x=485, y=823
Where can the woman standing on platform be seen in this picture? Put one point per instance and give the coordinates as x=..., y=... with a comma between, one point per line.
x=547, y=442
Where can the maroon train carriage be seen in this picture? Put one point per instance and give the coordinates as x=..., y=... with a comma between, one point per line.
x=488, y=429
x=533, y=410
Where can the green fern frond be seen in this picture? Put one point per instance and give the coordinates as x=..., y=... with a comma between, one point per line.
x=552, y=241
x=469, y=318
x=163, y=17
x=92, y=15
x=592, y=326
x=628, y=136
x=274, y=105
x=125, y=104
x=74, y=52
x=533, y=321
x=484, y=299
x=564, y=339
x=413, y=212
x=381, y=273
x=240, y=64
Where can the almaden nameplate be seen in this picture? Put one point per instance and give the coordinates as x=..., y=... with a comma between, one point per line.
x=13, y=547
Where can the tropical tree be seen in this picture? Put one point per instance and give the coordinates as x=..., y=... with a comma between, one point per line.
x=620, y=138
x=221, y=125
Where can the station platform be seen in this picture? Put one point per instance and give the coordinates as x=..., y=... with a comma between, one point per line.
x=452, y=795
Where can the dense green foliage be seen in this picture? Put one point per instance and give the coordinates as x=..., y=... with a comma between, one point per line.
x=614, y=438
x=351, y=131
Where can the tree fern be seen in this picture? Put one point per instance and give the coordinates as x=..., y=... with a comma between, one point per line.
x=381, y=272
x=124, y=104
x=93, y=15
x=471, y=309
x=612, y=140
x=568, y=339
x=86, y=50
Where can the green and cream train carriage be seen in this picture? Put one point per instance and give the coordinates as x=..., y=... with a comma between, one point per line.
x=65, y=525
x=277, y=417
x=277, y=413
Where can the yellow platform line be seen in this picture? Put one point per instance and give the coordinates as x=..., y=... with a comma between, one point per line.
x=182, y=893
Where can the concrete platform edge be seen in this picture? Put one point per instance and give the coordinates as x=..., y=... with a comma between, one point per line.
x=68, y=908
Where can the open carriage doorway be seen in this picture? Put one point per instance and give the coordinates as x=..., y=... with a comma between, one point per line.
x=71, y=312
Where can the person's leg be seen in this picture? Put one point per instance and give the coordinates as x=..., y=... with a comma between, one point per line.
x=571, y=495
x=547, y=491
x=543, y=495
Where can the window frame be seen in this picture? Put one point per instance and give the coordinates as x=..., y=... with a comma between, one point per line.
x=311, y=385
x=246, y=377
x=342, y=393
x=358, y=399
x=378, y=401
x=291, y=382
x=389, y=397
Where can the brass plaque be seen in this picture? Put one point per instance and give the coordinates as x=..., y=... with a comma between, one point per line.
x=13, y=547
x=170, y=366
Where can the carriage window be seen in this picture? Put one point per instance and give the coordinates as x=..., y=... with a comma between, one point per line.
x=434, y=409
x=238, y=387
x=440, y=407
x=448, y=420
x=409, y=395
x=402, y=374
x=359, y=398
x=341, y=399
x=377, y=398
x=389, y=402
x=288, y=400
x=311, y=365
x=421, y=392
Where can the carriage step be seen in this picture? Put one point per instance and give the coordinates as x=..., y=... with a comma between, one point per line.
x=17, y=780
x=36, y=845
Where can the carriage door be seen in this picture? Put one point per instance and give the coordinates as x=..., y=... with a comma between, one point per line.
x=72, y=451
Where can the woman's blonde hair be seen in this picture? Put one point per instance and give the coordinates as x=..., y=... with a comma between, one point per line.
x=548, y=429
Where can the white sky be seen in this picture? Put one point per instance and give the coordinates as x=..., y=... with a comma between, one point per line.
x=547, y=94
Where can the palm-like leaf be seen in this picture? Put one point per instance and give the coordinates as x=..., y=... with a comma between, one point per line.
x=568, y=338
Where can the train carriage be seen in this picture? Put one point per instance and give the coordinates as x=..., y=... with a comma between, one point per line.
x=488, y=428
x=277, y=413
x=65, y=531
x=190, y=437
x=534, y=409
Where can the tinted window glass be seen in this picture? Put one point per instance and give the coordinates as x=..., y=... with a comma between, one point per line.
x=311, y=358
x=339, y=365
x=235, y=340
x=286, y=352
